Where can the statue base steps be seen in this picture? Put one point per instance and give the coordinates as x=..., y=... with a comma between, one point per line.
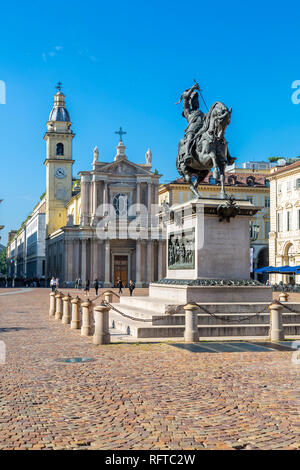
x=184, y=294
x=168, y=326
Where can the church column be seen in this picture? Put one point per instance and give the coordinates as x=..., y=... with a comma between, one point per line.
x=66, y=260
x=150, y=261
x=138, y=264
x=138, y=196
x=84, y=200
x=107, y=282
x=95, y=199
x=149, y=200
x=83, y=261
x=160, y=260
x=105, y=194
x=95, y=259
x=76, y=272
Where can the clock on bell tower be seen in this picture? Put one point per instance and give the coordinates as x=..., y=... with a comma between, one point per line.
x=58, y=163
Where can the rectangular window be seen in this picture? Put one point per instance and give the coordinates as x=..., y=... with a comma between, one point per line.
x=267, y=229
x=298, y=183
x=181, y=198
x=288, y=186
x=278, y=222
x=250, y=199
x=267, y=202
x=288, y=221
x=279, y=188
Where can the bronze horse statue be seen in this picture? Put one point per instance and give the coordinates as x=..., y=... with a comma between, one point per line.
x=203, y=146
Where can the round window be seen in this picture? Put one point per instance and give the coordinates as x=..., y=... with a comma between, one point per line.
x=120, y=203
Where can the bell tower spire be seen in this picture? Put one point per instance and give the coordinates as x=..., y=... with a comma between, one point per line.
x=58, y=137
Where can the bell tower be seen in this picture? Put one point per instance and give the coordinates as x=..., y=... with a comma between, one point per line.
x=58, y=163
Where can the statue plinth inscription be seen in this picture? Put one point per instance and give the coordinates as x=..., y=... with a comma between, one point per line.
x=181, y=250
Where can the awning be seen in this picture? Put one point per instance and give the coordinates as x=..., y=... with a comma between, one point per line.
x=279, y=269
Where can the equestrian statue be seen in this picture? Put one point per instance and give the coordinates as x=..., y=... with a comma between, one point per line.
x=204, y=145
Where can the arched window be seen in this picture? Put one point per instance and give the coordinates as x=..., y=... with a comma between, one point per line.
x=59, y=149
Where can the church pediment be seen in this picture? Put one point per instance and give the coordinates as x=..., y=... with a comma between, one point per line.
x=124, y=167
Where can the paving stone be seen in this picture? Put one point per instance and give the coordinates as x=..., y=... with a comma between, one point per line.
x=136, y=396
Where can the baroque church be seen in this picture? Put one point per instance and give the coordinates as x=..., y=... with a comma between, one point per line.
x=102, y=224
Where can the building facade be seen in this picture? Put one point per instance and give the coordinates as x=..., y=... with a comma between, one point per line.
x=247, y=186
x=101, y=225
x=26, y=247
x=284, y=244
x=109, y=231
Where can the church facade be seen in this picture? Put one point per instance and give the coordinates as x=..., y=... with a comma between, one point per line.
x=101, y=225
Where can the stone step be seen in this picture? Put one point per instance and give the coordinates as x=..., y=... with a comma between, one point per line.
x=229, y=318
x=140, y=329
x=203, y=318
x=156, y=306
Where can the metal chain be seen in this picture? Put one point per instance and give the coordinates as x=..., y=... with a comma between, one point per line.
x=205, y=310
x=229, y=320
x=285, y=306
x=124, y=314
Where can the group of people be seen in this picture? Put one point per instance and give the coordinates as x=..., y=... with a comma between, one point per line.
x=54, y=284
x=131, y=286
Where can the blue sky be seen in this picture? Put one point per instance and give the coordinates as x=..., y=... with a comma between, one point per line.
x=126, y=64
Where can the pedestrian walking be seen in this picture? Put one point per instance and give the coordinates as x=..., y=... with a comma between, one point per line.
x=87, y=288
x=96, y=286
x=53, y=284
x=120, y=285
x=131, y=287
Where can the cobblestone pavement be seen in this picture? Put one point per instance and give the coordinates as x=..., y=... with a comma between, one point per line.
x=136, y=396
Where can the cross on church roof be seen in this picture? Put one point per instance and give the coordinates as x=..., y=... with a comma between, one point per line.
x=59, y=84
x=121, y=133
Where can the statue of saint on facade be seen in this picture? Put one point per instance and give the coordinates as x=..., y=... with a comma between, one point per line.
x=203, y=146
x=96, y=154
x=148, y=157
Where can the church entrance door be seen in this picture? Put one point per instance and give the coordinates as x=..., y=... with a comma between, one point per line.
x=121, y=269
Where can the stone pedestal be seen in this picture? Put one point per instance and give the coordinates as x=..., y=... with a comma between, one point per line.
x=66, y=318
x=191, y=334
x=204, y=245
x=276, y=327
x=52, y=305
x=75, y=320
x=101, y=317
x=59, y=307
x=86, y=326
x=208, y=254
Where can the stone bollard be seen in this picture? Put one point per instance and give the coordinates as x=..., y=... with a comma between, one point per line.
x=58, y=311
x=101, y=316
x=108, y=297
x=283, y=297
x=66, y=318
x=75, y=322
x=191, y=333
x=86, y=327
x=52, y=305
x=276, y=328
